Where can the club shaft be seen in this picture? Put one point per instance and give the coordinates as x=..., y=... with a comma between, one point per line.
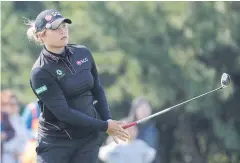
x=168, y=109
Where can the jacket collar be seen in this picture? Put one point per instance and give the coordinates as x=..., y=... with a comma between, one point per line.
x=56, y=57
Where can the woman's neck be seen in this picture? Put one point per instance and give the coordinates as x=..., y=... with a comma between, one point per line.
x=55, y=50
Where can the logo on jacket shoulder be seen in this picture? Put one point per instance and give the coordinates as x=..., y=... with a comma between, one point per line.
x=80, y=62
x=41, y=89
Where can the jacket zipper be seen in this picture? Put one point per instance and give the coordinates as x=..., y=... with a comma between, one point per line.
x=71, y=64
x=71, y=69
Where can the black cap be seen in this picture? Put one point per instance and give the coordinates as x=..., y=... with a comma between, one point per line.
x=49, y=19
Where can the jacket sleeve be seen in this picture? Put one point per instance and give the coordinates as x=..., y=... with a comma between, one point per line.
x=98, y=92
x=50, y=93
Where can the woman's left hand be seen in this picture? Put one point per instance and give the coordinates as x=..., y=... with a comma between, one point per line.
x=120, y=134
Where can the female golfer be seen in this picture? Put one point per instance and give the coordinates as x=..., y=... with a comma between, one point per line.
x=66, y=82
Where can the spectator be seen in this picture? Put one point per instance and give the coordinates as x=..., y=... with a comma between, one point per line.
x=147, y=131
x=136, y=150
x=30, y=116
x=13, y=148
x=7, y=131
x=29, y=154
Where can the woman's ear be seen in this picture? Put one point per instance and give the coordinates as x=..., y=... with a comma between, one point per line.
x=41, y=36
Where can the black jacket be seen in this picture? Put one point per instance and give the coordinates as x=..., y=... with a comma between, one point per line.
x=67, y=85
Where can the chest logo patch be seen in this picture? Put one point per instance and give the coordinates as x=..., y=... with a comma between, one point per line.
x=80, y=62
x=59, y=72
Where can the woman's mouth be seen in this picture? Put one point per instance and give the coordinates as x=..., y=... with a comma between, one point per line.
x=65, y=37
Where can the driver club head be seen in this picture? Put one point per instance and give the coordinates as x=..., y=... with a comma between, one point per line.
x=225, y=80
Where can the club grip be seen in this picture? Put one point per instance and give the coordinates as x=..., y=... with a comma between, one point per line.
x=129, y=125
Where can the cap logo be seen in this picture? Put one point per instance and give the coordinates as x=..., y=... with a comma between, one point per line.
x=48, y=17
x=48, y=25
x=55, y=13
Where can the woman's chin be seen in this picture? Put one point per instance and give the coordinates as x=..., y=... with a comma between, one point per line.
x=63, y=43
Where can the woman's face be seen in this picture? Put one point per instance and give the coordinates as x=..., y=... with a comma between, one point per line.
x=57, y=38
x=143, y=111
x=12, y=107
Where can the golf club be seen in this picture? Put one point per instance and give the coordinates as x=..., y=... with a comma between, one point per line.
x=225, y=82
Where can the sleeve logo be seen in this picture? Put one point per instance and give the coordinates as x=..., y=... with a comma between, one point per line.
x=41, y=89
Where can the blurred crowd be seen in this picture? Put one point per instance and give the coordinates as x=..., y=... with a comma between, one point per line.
x=19, y=134
x=18, y=131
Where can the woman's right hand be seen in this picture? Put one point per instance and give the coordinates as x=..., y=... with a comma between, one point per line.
x=115, y=130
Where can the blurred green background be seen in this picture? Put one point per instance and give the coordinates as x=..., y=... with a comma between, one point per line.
x=166, y=51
